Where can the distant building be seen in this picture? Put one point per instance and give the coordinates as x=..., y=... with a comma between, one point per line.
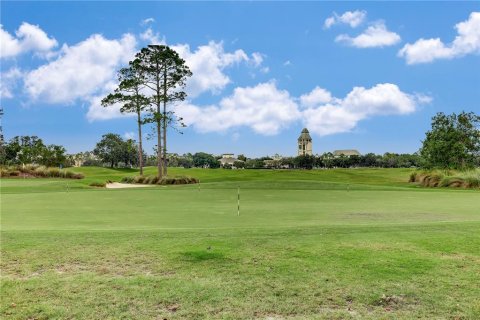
x=304, y=143
x=228, y=158
x=346, y=153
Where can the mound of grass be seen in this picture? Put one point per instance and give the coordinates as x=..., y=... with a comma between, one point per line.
x=163, y=181
x=38, y=172
x=449, y=179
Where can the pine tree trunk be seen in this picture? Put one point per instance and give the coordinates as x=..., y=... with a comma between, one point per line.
x=140, y=149
x=159, y=127
x=159, y=144
x=165, y=120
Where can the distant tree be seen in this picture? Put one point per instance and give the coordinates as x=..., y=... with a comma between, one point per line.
x=390, y=160
x=24, y=149
x=304, y=161
x=130, y=154
x=453, y=142
x=288, y=162
x=368, y=160
x=151, y=160
x=53, y=156
x=242, y=157
x=239, y=164
x=89, y=159
x=354, y=161
x=341, y=161
x=327, y=160
x=255, y=163
x=186, y=162
x=165, y=73
x=129, y=95
x=202, y=159
x=110, y=149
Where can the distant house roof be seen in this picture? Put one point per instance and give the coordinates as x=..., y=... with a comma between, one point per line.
x=347, y=153
x=305, y=135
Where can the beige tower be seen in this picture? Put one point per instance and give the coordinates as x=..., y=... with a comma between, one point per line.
x=304, y=143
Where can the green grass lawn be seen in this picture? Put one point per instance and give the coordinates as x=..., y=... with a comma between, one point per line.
x=320, y=244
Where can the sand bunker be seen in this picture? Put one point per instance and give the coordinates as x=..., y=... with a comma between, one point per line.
x=118, y=185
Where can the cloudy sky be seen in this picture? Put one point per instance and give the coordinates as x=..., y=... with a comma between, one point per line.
x=367, y=76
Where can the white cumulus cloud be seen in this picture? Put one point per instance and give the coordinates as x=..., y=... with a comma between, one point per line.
x=98, y=112
x=152, y=37
x=466, y=42
x=263, y=108
x=325, y=117
x=376, y=35
x=27, y=38
x=316, y=96
x=81, y=70
x=257, y=59
x=352, y=18
x=267, y=110
x=208, y=64
x=9, y=80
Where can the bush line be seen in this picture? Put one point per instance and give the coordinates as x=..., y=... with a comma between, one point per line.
x=163, y=181
x=447, y=178
x=38, y=171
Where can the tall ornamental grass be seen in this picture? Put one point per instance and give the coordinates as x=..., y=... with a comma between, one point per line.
x=38, y=171
x=163, y=181
x=447, y=178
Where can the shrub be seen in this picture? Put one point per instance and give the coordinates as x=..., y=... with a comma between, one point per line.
x=452, y=182
x=54, y=172
x=15, y=173
x=472, y=179
x=413, y=177
x=433, y=180
x=39, y=171
x=78, y=176
x=177, y=180
x=447, y=178
x=153, y=179
x=164, y=181
x=138, y=179
x=70, y=174
x=97, y=184
x=127, y=180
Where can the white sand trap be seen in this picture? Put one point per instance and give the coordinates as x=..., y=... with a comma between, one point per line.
x=118, y=185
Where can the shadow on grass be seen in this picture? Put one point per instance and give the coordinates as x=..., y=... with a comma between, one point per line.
x=201, y=255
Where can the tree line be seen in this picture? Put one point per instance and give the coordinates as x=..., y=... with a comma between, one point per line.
x=452, y=143
x=32, y=150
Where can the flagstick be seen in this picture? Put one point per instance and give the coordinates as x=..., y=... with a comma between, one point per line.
x=238, y=201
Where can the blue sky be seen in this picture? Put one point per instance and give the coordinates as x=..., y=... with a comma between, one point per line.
x=366, y=76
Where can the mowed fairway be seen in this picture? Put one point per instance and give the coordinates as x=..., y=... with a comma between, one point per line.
x=321, y=244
